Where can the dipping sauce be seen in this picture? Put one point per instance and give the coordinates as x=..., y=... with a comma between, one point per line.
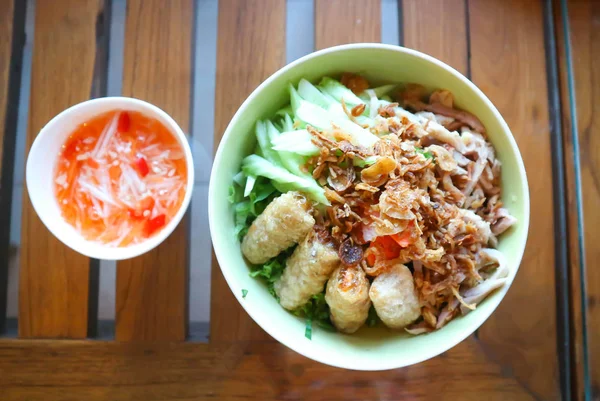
x=120, y=178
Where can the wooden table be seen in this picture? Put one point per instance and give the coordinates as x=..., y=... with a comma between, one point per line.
x=538, y=61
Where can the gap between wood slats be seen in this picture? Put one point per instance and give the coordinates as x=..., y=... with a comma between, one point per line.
x=108, y=268
x=391, y=23
x=299, y=29
x=577, y=351
x=12, y=41
x=563, y=339
x=151, y=295
x=19, y=165
x=202, y=129
x=581, y=93
x=99, y=89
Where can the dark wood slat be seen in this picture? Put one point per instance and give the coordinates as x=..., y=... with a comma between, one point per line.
x=260, y=371
x=446, y=39
x=339, y=22
x=564, y=338
x=6, y=35
x=53, y=297
x=521, y=334
x=576, y=309
x=7, y=15
x=585, y=51
x=151, y=301
x=251, y=43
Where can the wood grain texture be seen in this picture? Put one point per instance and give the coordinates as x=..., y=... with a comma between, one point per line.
x=256, y=371
x=508, y=64
x=251, y=46
x=53, y=282
x=584, y=21
x=338, y=22
x=446, y=39
x=151, y=296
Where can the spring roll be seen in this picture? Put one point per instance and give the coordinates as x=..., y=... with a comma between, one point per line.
x=347, y=295
x=283, y=223
x=394, y=297
x=306, y=272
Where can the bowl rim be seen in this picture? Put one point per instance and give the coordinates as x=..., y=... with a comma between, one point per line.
x=384, y=364
x=89, y=248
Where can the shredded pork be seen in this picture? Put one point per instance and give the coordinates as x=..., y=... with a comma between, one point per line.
x=432, y=200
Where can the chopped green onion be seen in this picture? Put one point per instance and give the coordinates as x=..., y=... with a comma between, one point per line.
x=244, y=293
x=308, y=329
x=428, y=155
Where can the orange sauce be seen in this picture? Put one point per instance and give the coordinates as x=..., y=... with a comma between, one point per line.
x=120, y=178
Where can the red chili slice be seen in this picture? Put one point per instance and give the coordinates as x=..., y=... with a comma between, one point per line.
x=155, y=224
x=390, y=248
x=142, y=166
x=124, y=122
x=405, y=238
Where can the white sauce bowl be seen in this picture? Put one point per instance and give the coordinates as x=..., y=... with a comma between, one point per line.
x=41, y=168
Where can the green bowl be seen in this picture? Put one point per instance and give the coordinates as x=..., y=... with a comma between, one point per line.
x=369, y=348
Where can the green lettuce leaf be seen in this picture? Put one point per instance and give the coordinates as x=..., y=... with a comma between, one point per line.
x=271, y=271
x=246, y=210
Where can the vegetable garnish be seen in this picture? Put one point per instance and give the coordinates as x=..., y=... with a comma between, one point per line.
x=142, y=166
x=154, y=224
x=272, y=270
x=308, y=329
x=315, y=310
x=427, y=154
x=372, y=319
x=248, y=208
x=124, y=122
x=120, y=178
x=244, y=293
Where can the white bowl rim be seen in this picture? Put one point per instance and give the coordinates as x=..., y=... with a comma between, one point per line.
x=264, y=322
x=104, y=252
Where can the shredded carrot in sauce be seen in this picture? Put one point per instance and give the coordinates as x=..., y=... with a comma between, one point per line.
x=120, y=178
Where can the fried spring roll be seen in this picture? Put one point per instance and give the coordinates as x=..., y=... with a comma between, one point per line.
x=394, y=297
x=306, y=272
x=347, y=295
x=284, y=222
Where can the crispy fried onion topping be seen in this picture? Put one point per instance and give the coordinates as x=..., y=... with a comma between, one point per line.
x=431, y=199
